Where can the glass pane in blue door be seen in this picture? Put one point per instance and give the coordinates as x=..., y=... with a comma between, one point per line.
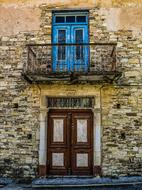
x=79, y=40
x=81, y=18
x=61, y=36
x=59, y=19
x=61, y=48
x=70, y=19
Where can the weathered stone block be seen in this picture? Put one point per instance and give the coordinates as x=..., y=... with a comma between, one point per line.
x=134, y=61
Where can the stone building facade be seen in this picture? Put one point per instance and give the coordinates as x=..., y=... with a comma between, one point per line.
x=117, y=99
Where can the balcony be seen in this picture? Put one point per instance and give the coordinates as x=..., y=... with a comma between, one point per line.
x=93, y=62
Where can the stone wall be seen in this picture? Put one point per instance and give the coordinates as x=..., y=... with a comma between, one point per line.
x=122, y=136
x=121, y=114
x=18, y=114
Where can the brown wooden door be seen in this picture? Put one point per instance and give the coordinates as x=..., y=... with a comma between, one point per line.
x=70, y=142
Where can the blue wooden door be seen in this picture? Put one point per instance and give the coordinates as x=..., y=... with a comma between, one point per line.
x=79, y=35
x=70, y=58
x=61, y=35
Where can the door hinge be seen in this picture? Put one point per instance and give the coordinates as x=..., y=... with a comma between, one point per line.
x=47, y=162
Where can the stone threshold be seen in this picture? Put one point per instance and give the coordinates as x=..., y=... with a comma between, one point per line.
x=54, y=182
x=5, y=181
x=2, y=186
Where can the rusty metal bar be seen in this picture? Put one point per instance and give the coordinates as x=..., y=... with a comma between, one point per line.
x=73, y=44
x=113, y=50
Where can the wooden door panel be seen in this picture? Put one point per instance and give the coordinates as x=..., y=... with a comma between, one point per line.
x=82, y=162
x=58, y=162
x=82, y=143
x=82, y=130
x=58, y=131
x=58, y=147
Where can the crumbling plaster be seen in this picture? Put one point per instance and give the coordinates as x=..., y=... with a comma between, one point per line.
x=20, y=16
x=103, y=3
x=18, y=19
x=123, y=19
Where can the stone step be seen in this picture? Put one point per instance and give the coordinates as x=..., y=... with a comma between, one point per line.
x=80, y=182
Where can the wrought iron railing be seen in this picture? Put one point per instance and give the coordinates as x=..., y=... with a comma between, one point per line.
x=71, y=58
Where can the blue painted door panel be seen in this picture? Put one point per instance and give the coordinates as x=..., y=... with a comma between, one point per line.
x=70, y=58
x=61, y=35
x=79, y=35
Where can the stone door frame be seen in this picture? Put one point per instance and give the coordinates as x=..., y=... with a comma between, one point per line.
x=43, y=137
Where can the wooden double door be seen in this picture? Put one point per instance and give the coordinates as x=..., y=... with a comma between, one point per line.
x=70, y=142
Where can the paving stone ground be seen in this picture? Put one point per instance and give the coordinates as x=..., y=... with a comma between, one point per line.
x=28, y=187
x=56, y=183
